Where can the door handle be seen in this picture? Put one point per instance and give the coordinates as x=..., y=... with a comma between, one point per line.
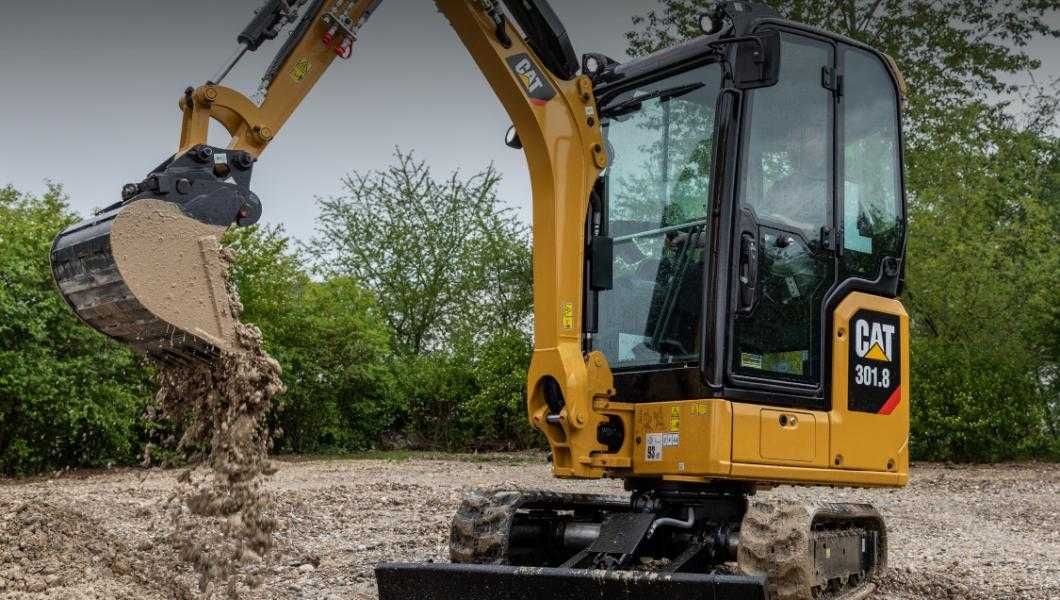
x=748, y=273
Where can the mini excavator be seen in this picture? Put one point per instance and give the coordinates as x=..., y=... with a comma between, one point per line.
x=719, y=236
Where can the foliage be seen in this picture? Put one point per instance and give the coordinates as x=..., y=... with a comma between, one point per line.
x=330, y=340
x=950, y=51
x=68, y=396
x=442, y=256
x=984, y=289
x=472, y=397
x=452, y=272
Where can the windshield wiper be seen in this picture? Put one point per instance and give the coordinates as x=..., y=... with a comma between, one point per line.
x=634, y=104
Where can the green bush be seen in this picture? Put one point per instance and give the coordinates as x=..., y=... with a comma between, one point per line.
x=330, y=340
x=983, y=289
x=68, y=396
x=496, y=414
x=974, y=405
x=470, y=398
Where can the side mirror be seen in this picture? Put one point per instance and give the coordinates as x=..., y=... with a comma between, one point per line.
x=757, y=60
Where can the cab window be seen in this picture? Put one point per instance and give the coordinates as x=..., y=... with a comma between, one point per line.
x=786, y=185
x=872, y=201
x=660, y=140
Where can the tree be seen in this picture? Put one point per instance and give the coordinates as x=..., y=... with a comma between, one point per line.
x=330, y=339
x=452, y=272
x=984, y=287
x=442, y=256
x=951, y=51
x=68, y=396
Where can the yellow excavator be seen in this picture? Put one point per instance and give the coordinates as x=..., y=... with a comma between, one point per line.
x=719, y=235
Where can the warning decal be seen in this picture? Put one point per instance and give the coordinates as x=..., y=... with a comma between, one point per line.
x=875, y=366
x=566, y=314
x=653, y=451
x=301, y=69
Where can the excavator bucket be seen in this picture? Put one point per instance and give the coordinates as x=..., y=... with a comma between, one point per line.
x=398, y=581
x=150, y=277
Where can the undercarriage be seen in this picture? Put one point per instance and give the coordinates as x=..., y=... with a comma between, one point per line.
x=670, y=542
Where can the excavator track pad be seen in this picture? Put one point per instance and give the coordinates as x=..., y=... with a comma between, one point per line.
x=819, y=551
x=150, y=277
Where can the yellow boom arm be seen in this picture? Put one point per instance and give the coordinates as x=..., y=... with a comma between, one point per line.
x=557, y=123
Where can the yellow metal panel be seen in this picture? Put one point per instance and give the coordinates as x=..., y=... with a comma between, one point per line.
x=816, y=476
x=759, y=436
x=760, y=443
x=788, y=435
x=864, y=441
x=690, y=438
x=747, y=435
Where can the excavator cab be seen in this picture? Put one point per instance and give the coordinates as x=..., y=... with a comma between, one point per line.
x=739, y=217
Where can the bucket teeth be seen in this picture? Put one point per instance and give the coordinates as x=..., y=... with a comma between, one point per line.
x=119, y=292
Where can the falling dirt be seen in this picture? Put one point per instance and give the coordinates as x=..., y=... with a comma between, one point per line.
x=221, y=511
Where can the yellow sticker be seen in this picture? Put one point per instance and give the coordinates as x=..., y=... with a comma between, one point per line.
x=675, y=419
x=567, y=315
x=301, y=69
x=700, y=410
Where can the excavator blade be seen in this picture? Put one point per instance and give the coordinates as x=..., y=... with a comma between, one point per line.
x=436, y=581
x=150, y=277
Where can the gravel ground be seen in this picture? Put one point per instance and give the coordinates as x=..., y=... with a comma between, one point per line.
x=956, y=532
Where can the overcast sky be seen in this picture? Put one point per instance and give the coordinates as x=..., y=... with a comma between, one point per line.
x=89, y=90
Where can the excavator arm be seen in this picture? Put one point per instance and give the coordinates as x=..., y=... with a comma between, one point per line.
x=146, y=270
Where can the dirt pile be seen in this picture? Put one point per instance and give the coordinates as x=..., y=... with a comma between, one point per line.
x=222, y=512
x=52, y=550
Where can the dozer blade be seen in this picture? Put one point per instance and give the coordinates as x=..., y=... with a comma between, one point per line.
x=436, y=581
x=150, y=277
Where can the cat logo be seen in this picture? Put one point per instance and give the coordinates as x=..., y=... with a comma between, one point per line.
x=874, y=341
x=875, y=363
x=534, y=82
x=301, y=69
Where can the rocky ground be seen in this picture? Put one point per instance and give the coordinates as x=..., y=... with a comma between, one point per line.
x=956, y=532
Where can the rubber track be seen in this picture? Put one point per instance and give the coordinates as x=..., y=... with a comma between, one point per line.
x=481, y=529
x=776, y=540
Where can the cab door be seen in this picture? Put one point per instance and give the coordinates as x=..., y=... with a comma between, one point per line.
x=784, y=258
